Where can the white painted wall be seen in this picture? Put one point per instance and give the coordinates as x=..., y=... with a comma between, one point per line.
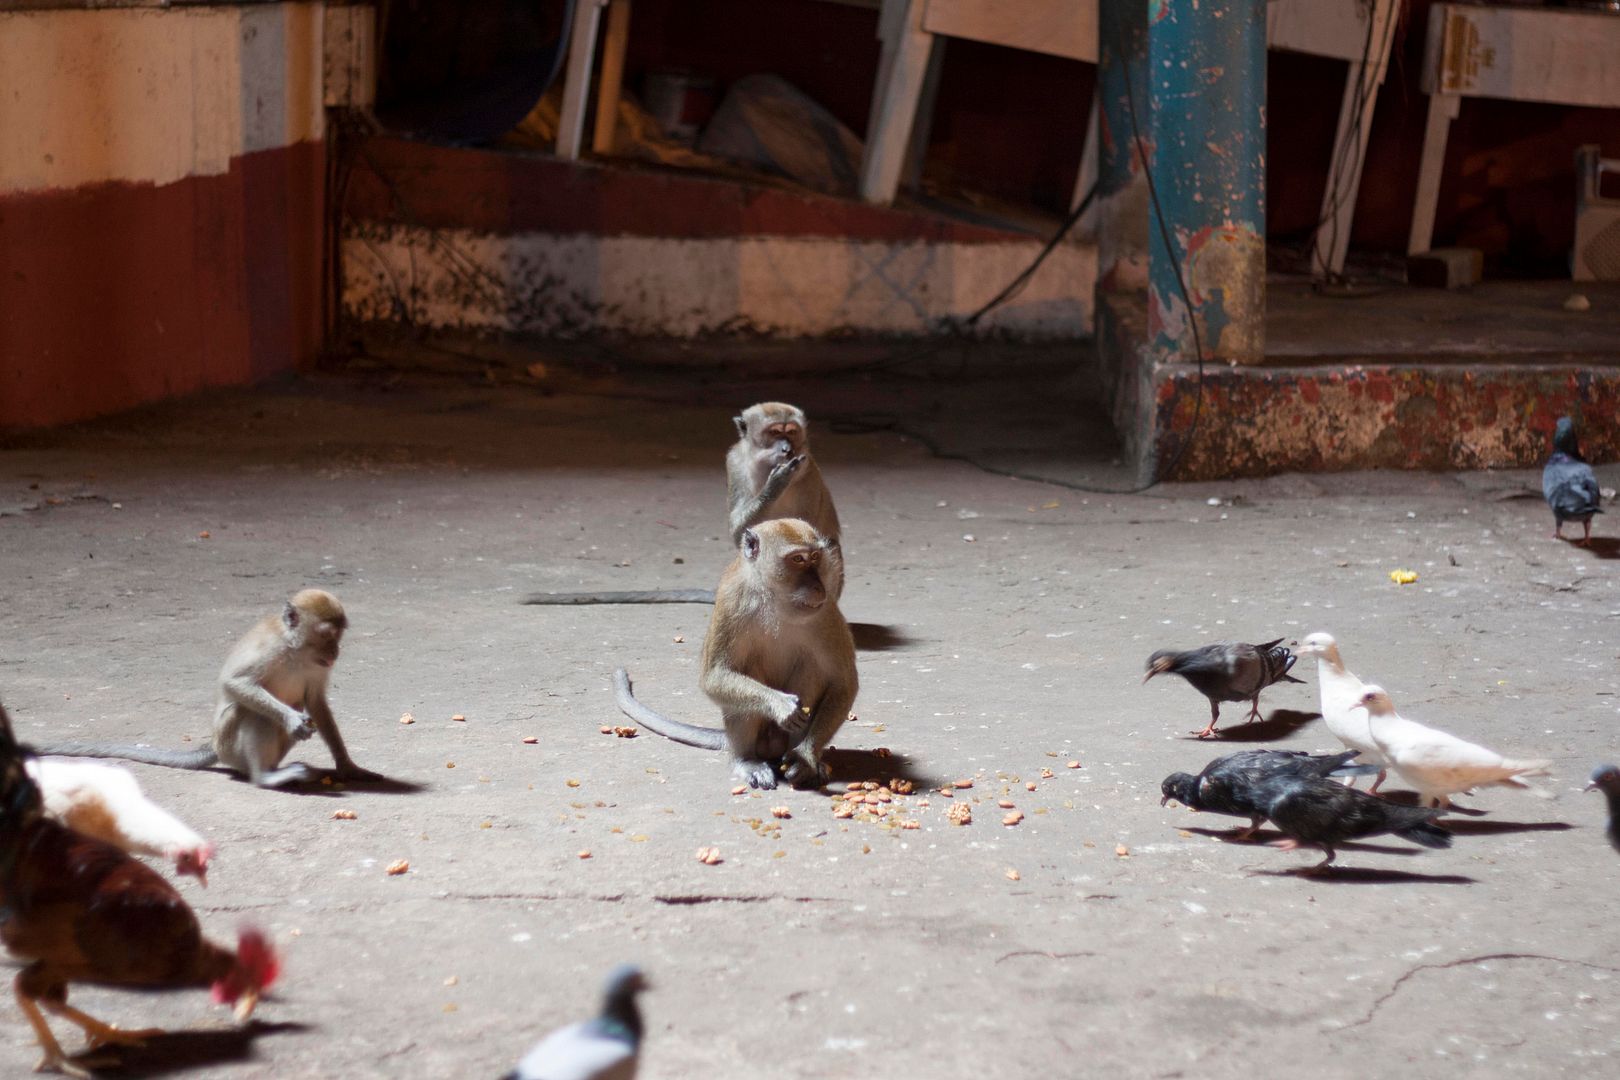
x=153, y=95
x=794, y=286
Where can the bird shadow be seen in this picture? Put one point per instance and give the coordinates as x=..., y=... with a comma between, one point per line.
x=1600, y=547
x=1279, y=725
x=876, y=637
x=1492, y=828
x=1410, y=798
x=847, y=765
x=181, y=1051
x=1357, y=875
x=1230, y=835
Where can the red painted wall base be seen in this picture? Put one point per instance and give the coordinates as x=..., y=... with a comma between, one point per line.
x=116, y=294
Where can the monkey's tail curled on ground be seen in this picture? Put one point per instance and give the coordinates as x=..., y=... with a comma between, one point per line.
x=686, y=734
x=643, y=596
x=146, y=755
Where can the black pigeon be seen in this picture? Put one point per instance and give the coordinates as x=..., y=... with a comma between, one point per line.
x=1312, y=810
x=1230, y=784
x=1229, y=671
x=1606, y=778
x=1568, y=483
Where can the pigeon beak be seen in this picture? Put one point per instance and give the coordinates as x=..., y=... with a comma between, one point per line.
x=1151, y=672
x=1165, y=801
x=1593, y=786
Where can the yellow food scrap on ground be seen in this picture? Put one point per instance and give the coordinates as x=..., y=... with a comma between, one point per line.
x=1403, y=577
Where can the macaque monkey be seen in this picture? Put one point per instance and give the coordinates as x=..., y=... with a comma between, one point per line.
x=778, y=659
x=770, y=473
x=272, y=694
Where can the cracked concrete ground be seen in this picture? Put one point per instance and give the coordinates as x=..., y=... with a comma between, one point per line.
x=1131, y=943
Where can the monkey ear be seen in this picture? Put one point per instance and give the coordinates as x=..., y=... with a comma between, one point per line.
x=742, y=426
x=289, y=615
x=750, y=545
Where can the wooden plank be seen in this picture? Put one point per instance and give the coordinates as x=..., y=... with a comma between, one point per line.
x=1065, y=28
x=895, y=109
x=1442, y=110
x=1336, y=28
x=611, y=80
x=1526, y=54
x=577, y=82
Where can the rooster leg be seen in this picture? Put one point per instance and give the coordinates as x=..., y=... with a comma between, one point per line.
x=98, y=1033
x=54, y=1060
x=1214, y=716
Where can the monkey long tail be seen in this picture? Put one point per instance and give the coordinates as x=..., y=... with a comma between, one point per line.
x=643, y=596
x=686, y=734
x=146, y=755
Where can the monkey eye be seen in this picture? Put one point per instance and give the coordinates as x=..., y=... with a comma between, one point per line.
x=799, y=558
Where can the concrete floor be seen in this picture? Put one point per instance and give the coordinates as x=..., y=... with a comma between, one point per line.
x=1131, y=943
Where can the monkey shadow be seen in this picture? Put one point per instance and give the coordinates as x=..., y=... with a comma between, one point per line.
x=876, y=637
x=182, y=1051
x=1279, y=725
x=1600, y=547
x=331, y=787
x=847, y=765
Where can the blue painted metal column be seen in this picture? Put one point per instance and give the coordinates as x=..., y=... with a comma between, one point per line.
x=1189, y=78
x=1207, y=99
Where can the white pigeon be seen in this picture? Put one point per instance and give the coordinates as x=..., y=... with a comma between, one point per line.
x=1435, y=762
x=1341, y=690
x=603, y=1048
x=106, y=802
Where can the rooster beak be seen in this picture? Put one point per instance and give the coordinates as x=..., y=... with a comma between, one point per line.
x=246, y=1004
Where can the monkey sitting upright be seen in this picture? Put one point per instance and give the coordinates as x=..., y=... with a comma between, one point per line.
x=770, y=473
x=778, y=659
x=272, y=694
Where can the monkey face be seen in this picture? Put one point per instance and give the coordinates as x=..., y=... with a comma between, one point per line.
x=323, y=642
x=801, y=573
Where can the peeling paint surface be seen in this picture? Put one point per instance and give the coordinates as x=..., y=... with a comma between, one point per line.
x=1256, y=422
x=575, y=284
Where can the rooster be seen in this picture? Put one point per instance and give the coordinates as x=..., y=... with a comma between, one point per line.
x=77, y=909
x=106, y=802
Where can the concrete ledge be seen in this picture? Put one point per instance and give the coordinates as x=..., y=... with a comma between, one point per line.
x=1260, y=421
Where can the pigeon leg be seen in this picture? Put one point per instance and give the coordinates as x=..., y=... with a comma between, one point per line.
x=1558, y=529
x=1586, y=532
x=1287, y=843
x=1379, y=779
x=1214, y=717
x=1323, y=865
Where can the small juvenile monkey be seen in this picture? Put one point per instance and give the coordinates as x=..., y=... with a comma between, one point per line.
x=778, y=659
x=770, y=473
x=272, y=694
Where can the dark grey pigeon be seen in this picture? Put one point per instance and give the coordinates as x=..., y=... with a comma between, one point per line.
x=1312, y=810
x=605, y=1048
x=1606, y=778
x=1569, y=484
x=1229, y=785
x=1228, y=671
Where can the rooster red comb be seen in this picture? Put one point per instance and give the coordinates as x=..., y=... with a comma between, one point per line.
x=257, y=965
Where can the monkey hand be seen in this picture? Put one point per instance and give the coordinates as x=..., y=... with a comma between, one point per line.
x=299, y=725
x=804, y=772
x=781, y=474
x=790, y=717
